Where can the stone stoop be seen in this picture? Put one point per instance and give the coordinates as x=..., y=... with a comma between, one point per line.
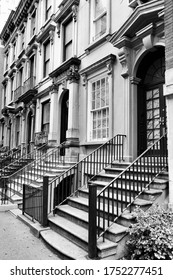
x=17, y=188
x=69, y=226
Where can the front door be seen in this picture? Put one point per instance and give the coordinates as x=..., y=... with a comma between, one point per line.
x=151, y=102
x=155, y=114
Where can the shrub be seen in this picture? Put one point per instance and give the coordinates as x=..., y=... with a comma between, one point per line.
x=151, y=238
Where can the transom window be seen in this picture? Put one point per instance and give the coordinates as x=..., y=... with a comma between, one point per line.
x=100, y=109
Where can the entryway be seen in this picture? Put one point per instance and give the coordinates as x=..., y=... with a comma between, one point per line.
x=151, y=101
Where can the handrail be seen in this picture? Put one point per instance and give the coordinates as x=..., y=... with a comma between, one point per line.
x=30, y=172
x=69, y=182
x=25, y=155
x=11, y=154
x=119, y=194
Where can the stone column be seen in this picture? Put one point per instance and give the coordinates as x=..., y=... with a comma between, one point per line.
x=72, y=134
x=53, y=127
x=23, y=130
x=32, y=108
x=124, y=58
x=168, y=18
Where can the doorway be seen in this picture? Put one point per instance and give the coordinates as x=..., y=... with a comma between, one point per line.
x=151, y=101
x=64, y=115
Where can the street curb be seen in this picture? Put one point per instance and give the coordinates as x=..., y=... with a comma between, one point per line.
x=7, y=207
x=34, y=226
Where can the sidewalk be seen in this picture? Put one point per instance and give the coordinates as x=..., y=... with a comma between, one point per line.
x=17, y=242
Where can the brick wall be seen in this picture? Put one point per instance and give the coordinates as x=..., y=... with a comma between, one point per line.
x=169, y=33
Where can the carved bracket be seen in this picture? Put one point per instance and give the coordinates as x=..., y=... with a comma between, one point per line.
x=73, y=74
x=125, y=62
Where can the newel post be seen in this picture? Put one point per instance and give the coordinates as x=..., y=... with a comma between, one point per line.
x=45, y=200
x=92, y=231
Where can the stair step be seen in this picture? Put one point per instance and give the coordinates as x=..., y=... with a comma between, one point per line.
x=64, y=247
x=79, y=236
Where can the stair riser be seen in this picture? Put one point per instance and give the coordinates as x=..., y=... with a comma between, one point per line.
x=120, y=193
x=114, y=237
x=136, y=172
x=61, y=255
x=69, y=235
x=72, y=218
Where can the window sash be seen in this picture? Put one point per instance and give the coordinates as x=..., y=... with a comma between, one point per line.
x=46, y=58
x=48, y=8
x=68, y=40
x=100, y=109
x=46, y=113
x=100, y=7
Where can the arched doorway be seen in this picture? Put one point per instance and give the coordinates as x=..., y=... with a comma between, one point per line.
x=151, y=102
x=29, y=127
x=10, y=135
x=64, y=115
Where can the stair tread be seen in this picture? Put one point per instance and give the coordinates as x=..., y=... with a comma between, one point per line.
x=63, y=245
x=69, y=226
x=80, y=232
x=74, y=212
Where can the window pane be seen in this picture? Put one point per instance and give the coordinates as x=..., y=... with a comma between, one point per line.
x=68, y=51
x=46, y=112
x=47, y=51
x=100, y=7
x=68, y=32
x=101, y=25
x=100, y=117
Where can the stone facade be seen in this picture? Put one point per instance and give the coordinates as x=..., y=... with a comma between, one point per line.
x=79, y=71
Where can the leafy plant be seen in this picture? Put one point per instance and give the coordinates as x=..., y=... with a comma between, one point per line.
x=151, y=238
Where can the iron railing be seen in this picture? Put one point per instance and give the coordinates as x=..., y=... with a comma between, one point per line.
x=33, y=172
x=9, y=157
x=13, y=168
x=20, y=160
x=69, y=182
x=119, y=195
x=35, y=202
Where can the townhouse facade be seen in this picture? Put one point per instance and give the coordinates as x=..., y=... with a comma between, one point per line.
x=79, y=72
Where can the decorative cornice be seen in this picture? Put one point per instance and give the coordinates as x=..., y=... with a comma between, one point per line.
x=141, y=17
x=65, y=67
x=31, y=49
x=104, y=62
x=65, y=8
x=46, y=32
x=20, y=61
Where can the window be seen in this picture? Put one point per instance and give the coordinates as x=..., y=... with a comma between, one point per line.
x=100, y=18
x=33, y=23
x=48, y=8
x=20, y=76
x=100, y=109
x=68, y=40
x=46, y=58
x=6, y=60
x=17, y=131
x=14, y=50
x=23, y=39
x=5, y=94
x=12, y=88
x=45, y=116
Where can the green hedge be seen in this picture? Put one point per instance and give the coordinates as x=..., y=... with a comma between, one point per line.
x=151, y=238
